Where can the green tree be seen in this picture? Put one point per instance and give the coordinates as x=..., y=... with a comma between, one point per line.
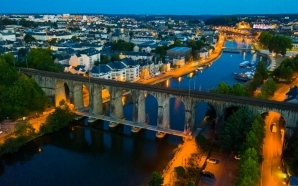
x=235, y=128
x=122, y=45
x=115, y=57
x=58, y=119
x=290, y=154
x=180, y=171
x=265, y=38
x=75, y=38
x=156, y=179
x=41, y=59
x=24, y=128
x=29, y=38
x=236, y=89
x=104, y=59
x=222, y=88
x=269, y=87
x=54, y=41
x=248, y=168
x=96, y=63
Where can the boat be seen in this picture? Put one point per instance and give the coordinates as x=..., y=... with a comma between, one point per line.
x=200, y=68
x=244, y=63
x=244, y=76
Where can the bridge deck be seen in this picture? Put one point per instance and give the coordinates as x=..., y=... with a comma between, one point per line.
x=133, y=124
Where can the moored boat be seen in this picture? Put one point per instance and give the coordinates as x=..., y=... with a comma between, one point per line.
x=244, y=63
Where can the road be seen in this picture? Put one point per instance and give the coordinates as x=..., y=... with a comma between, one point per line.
x=272, y=149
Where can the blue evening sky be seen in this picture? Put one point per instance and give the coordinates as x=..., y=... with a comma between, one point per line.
x=179, y=7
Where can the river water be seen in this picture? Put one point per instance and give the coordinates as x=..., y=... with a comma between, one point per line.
x=78, y=155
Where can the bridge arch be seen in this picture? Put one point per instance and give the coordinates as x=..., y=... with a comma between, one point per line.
x=178, y=107
x=147, y=108
x=61, y=92
x=81, y=95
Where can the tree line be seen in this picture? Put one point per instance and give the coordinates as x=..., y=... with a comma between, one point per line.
x=275, y=43
x=243, y=133
x=20, y=95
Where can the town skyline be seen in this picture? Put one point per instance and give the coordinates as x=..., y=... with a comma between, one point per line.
x=153, y=7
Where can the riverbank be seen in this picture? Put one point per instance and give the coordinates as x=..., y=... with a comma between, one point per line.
x=188, y=67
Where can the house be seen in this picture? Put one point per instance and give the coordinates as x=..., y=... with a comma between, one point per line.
x=100, y=71
x=79, y=69
x=178, y=61
x=85, y=57
x=118, y=71
x=146, y=69
x=132, y=70
x=204, y=53
x=136, y=55
x=7, y=37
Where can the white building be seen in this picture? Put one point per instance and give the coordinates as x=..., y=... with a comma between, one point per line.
x=7, y=37
x=118, y=70
x=85, y=57
x=132, y=70
x=136, y=55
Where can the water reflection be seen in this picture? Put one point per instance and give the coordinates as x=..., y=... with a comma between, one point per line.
x=76, y=154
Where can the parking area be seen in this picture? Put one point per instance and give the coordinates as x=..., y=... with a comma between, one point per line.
x=225, y=171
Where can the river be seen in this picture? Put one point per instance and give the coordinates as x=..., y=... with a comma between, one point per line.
x=78, y=155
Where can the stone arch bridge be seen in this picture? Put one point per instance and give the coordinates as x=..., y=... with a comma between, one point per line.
x=54, y=85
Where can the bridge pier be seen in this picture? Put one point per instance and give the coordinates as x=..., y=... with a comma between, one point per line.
x=140, y=108
x=116, y=107
x=78, y=96
x=96, y=99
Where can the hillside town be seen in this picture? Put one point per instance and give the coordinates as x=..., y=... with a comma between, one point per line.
x=96, y=45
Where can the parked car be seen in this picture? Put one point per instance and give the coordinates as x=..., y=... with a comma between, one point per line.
x=273, y=127
x=212, y=160
x=207, y=174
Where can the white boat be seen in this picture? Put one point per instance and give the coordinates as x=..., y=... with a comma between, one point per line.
x=201, y=68
x=244, y=63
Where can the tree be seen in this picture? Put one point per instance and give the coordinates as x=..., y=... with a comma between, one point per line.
x=248, y=168
x=29, y=38
x=58, y=119
x=235, y=128
x=269, y=87
x=75, y=38
x=156, y=179
x=41, y=59
x=265, y=38
x=180, y=171
x=115, y=57
x=24, y=128
x=222, y=88
x=251, y=141
x=236, y=89
x=96, y=63
x=104, y=59
x=122, y=45
x=290, y=154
